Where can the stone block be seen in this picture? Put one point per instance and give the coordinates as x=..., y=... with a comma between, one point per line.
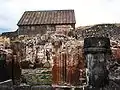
x=27, y=87
x=44, y=87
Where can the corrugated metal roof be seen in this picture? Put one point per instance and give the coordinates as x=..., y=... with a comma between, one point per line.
x=47, y=17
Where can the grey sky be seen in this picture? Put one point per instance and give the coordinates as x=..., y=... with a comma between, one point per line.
x=88, y=12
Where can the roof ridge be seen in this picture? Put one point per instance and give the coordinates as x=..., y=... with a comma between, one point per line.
x=50, y=10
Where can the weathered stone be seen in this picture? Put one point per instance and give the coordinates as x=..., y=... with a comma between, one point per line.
x=4, y=87
x=25, y=87
x=42, y=87
x=96, y=63
x=37, y=76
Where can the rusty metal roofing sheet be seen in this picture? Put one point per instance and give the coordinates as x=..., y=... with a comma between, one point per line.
x=47, y=17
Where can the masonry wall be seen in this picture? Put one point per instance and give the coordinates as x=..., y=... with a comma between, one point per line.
x=39, y=64
x=42, y=29
x=32, y=30
x=106, y=30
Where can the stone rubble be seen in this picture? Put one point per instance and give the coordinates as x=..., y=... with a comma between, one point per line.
x=36, y=54
x=40, y=50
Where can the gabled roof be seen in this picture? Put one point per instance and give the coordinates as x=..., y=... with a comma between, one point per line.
x=47, y=17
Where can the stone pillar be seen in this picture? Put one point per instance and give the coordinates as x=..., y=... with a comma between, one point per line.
x=96, y=51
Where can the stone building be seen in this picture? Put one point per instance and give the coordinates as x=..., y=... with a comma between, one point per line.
x=42, y=58
x=40, y=22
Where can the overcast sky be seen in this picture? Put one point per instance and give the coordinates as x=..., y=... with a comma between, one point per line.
x=87, y=12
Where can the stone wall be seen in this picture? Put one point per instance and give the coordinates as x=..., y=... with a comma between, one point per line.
x=106, y=30
x=38, y=76
x=42, y=29
x=39, y=52
x=32, y=30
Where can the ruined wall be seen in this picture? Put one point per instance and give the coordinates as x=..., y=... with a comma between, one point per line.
x=57, y=60
x=114, y=63
x=4, y=42
x=111, y=31
x=56, y=57
x=38, y=55
x=106, y=30
x=68, y=64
